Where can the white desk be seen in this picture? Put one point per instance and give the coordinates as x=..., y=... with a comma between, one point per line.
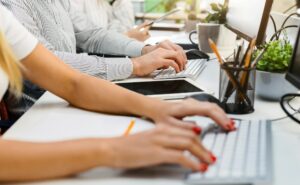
x=51, y=119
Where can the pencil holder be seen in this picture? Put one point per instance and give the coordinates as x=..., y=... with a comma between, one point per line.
x=237, y=89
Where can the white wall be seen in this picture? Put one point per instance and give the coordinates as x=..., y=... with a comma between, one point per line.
x=282, y=5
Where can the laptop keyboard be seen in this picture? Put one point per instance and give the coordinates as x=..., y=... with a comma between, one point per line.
x=244, y=156
x=193, y=70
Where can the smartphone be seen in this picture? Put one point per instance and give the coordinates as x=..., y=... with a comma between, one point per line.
x=164, y=16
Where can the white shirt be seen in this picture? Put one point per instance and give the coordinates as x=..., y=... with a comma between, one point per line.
x=117, y=17
x=21, y=41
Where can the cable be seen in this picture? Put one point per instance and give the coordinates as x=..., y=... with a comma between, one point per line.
x=287, y=10
x=274, y=25
x=288, y=98
x=278, y=33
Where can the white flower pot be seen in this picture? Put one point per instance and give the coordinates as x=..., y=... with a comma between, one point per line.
x=272, y=86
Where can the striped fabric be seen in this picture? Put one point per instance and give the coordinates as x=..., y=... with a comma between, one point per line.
x=115, y=15
x=61, y=29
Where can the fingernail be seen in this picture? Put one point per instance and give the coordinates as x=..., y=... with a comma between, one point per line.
x=197, y=130
x=231, y=126
x=232, y=121
x=213, y=157
x=203, y=167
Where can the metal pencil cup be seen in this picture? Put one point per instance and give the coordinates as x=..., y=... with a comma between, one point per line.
x=237, y=89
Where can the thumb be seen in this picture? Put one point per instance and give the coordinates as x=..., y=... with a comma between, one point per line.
x=143, y=25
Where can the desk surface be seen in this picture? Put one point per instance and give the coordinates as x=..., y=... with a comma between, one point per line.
x=52, y=119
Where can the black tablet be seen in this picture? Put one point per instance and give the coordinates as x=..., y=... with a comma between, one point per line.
x=168, y=89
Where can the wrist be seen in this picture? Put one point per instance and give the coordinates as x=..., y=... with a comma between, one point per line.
x=104, y=153
x=136, y=66
x=154, y=109
x=148, y=49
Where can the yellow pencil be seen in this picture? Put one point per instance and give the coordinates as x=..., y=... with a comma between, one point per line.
x=129, y=128
x=215, y=50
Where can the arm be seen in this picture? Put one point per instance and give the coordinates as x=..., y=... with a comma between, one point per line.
x=26, y=161
x=109, y=69
x=91, y=93
x=52, y=71
x=123, y=12
x=93, y=39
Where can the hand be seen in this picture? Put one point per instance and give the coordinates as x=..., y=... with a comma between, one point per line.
x=173, y=113
x=162, y=145
x=140, y=33
x=160, y=58
x=182, y=59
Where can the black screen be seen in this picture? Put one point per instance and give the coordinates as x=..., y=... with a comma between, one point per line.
x=161, y=87
x=294, y=71
x=295, y=68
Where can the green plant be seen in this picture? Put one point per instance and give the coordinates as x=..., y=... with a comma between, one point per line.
x=277, y=56
x=218, y=13
x=170, y=4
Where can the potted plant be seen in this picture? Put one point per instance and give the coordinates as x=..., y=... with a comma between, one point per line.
x=210, y=26
x=271, y=69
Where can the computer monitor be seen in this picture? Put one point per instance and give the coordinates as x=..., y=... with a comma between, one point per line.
x=293, y=74
x=298, y=3
x=249, y=18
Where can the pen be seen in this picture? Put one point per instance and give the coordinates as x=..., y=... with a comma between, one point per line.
x=129, y=128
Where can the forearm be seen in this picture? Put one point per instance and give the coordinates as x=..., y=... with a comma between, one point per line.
x=101, y=96
x=82, y=90
x=105, y=68
x=21, y=161
x=98, y=41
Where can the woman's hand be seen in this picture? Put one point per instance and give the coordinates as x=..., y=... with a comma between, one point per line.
x=168, y=45
x=140, y=32
x=173, y=113
x=163, y=145
x=157, y=59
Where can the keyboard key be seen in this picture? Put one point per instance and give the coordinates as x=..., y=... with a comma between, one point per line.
x=193, y=70
x=242, y=155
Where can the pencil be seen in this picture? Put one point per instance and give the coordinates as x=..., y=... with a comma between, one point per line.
x=215, y=50
x=129, y=128
x=245, y=76
x=231, y=77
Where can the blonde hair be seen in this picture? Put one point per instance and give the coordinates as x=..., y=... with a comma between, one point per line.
x=11, y=66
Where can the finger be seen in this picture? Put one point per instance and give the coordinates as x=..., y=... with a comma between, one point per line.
x=177, y=157
x=184, y=139
x=178, y=49
x=143, y=25
x=145, y=32
x=179, y=56
x=170, y=54
x=170, y=63
x=213, y=111
x=191, y=145
x=181, y=124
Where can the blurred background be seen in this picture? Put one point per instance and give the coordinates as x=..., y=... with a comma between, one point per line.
x=160, y=6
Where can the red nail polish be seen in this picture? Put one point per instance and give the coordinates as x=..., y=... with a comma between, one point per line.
x=232, y=122
x=228, y=127
x=203, y=167
x=197, y=130
x=213, y=157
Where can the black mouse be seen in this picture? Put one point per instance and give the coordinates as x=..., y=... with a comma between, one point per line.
x=204, y=97
x=194, y=54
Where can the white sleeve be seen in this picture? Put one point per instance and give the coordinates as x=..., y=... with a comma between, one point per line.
x=21, y=41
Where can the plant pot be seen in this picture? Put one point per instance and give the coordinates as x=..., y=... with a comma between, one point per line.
x=272, y=86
